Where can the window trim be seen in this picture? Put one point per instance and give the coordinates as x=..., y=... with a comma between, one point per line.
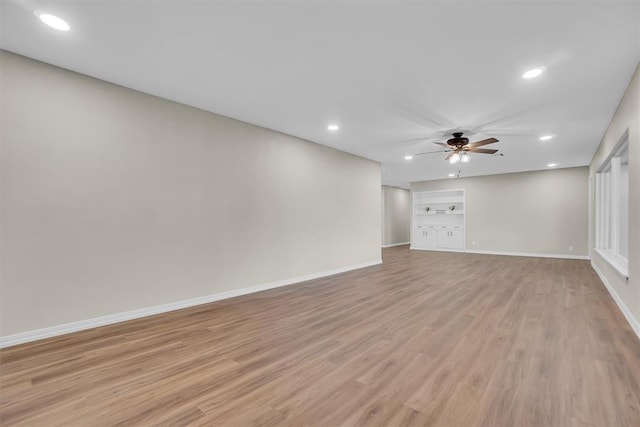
x=615, y=263
x=607, y=209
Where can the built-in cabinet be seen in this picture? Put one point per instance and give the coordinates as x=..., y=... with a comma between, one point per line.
x=438, y=220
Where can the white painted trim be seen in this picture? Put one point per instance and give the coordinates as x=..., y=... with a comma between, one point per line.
x=67, y=328
x=439, y=191
x=529, y=254
x=395, y=244
x=633, y=322
x=438, y=249
x=619, y=266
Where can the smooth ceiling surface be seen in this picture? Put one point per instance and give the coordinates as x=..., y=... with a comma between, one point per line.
x=386, y=72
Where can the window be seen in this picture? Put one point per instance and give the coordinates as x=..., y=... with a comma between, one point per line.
x=612, y=209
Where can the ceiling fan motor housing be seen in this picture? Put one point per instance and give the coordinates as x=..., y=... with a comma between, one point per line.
x=458, y=140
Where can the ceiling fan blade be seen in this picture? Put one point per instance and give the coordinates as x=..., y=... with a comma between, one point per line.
x=482, y=151
x=442, y=143
x=432, y=152
x=483, y=142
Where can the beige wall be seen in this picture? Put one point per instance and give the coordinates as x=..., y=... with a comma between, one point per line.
x=542, y=212
x=627, y=117
x=396, y=215
x=114, y=200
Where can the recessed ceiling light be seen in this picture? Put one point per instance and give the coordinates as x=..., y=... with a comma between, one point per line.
x=52, y=21
x=408, y=157
x=533, y=73
x=451, y=175
x=333, y=127
x=552, y=165
x=546, y=137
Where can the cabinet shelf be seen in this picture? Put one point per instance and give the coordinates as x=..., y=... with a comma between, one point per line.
x=438, y=199
x=456, y=212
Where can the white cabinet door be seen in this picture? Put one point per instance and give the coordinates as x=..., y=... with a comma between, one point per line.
x=450, y=239
x=444, y=238
x=417, y=239
x=431, y=238
x=423, y=237
x=457, y=239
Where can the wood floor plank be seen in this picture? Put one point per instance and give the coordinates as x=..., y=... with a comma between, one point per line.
x=427, y=338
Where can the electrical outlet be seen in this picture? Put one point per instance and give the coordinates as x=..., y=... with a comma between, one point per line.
x=473, y=243
x=570, y=248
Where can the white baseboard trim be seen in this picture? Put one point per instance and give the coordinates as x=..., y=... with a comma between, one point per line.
x=67, y=328
x=395, y=244
x=633, y=322
x=529, y=254
x=437, y=250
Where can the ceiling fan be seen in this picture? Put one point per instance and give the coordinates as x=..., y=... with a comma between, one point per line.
x=459, y=146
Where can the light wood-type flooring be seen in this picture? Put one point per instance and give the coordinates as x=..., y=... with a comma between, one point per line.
x=427, y=338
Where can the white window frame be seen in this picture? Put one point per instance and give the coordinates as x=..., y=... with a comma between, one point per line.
x=608, y=209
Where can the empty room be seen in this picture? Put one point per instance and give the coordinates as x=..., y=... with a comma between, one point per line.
x=320, y=213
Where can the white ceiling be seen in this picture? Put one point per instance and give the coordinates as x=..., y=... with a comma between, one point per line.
x=386, y=71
